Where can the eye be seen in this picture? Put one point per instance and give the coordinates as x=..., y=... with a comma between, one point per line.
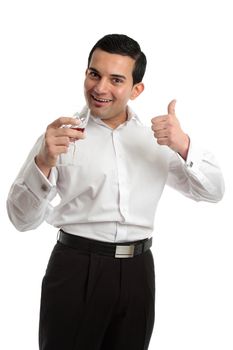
x=117, y=81
x=93, y=75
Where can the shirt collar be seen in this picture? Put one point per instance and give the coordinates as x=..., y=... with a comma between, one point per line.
x=131, y=115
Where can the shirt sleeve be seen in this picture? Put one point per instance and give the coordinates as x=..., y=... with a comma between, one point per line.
x=199, y=177
x=28, y=202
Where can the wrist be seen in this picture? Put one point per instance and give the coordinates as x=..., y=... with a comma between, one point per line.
x=183, y=152
x=44, y=168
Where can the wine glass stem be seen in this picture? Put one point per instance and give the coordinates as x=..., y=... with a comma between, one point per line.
x=74, y=151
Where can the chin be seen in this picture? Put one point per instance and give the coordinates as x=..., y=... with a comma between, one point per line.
x=95, y=112
x=98, y=112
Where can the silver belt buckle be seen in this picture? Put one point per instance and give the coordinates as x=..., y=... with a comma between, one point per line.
x=124, y=251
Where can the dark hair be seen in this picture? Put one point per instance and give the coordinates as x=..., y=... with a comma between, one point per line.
x=123, y=45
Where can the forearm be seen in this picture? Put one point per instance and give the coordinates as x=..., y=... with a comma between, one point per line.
x=24, y=209
x=29, y=198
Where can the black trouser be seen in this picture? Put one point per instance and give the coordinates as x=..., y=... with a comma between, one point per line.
x=95, y=302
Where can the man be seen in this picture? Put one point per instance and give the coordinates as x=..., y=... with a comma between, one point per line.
x=98, y=291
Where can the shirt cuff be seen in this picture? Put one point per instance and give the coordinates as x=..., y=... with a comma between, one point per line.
x=37, y=182
x=194, y=158
x=196, y=168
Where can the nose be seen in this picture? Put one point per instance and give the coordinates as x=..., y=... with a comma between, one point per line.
x=101, y=86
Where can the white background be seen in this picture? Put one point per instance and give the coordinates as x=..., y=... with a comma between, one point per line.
x=44, y=49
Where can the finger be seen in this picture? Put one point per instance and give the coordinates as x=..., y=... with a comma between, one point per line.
x=61, y=149
x=58, y=123
x=61, y=141
x=68, y=132
x=79, y=136
x=163, y=141
x=159, y=123
x=159, y=119
x=159, y=126
x=171, y=108
x=161, y=134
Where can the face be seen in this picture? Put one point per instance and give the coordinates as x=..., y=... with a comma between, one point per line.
x=109, y=86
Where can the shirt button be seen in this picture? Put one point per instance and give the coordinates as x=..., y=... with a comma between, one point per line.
x=44, y=188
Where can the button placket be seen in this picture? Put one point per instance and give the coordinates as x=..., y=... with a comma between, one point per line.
x=122, y=183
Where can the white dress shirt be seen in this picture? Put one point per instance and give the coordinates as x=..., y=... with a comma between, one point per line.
x=112, y=192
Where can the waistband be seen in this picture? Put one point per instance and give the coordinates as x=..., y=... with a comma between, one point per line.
x=115, y=250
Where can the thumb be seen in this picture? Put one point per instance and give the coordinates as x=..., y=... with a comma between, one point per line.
x=171, y=107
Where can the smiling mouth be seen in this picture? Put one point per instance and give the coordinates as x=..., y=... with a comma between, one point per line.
x=101, y=100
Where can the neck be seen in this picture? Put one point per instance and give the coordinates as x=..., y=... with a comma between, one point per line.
x=116, y=121
x=113, y=124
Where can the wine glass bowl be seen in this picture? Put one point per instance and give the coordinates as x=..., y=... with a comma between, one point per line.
x=83, y=121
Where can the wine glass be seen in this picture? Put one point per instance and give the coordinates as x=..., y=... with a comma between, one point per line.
x=69, y=157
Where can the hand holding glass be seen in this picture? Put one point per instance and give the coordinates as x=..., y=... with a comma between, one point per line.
x=69, y=157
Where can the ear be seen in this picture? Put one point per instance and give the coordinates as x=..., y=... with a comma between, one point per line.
x=136, y=91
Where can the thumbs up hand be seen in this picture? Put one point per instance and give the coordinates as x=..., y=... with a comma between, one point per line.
x=167, y=131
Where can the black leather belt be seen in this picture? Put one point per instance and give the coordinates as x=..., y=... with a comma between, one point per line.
x=119, y=250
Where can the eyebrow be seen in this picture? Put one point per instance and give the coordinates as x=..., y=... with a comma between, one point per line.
x=112, y=75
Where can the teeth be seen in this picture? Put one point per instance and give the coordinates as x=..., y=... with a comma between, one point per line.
x=101, y=99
